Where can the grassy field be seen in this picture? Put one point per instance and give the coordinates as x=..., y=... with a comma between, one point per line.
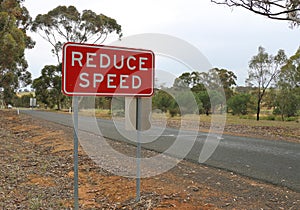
x=236, y=120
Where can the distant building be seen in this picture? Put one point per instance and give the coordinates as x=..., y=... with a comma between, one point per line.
x=22, y=93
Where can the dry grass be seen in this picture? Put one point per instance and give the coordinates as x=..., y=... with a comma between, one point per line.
x=230, y=119
x=236, y=120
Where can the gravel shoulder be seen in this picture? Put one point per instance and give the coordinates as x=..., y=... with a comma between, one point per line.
x=37, y=173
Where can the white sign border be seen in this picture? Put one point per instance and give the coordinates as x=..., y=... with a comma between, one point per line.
x=72, y=44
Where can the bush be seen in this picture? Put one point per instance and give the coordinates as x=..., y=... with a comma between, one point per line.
x=288, y=119
x=173, y=112
x=276, y=111
x=240, y=104
x=268, y=117
x=247, y=117
x=271, y=117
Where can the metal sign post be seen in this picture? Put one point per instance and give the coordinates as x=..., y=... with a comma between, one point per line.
x=75, y=104
x=138, y=150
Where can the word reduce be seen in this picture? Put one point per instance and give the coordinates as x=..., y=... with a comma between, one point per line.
x=105, y=63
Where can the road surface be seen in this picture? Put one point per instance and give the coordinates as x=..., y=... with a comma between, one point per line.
x=276, y=162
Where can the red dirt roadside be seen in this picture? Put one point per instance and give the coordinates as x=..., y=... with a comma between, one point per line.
x=37, y=173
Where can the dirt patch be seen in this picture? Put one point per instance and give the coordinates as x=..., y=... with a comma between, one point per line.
x=37, y=173
x=40, y=180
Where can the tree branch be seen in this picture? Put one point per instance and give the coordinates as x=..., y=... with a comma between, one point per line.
x=265, y=8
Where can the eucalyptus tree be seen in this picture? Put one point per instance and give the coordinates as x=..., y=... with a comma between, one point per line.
x=223, y=78
x=213, y=79
x=48, y=86
x=286, y=102
x=66, y=24
x=212, y=87
x=263, y=71
x=290, y=72
x=287, y=99
x=14, y=21
x=183, y=81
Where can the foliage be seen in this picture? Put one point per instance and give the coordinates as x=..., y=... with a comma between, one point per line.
x=185, y=101
x=14, y=20
x=48, y=86
x=273, y=82
x=287, y=99
x=214, y=79
x=288, y=10
x=23, y=20
x=217, y=98
x=227, y=80
x=286, y=103
x=66, y=24
x=183, y=81
x=162, y=100
x=240, y=104
x=176, y=102
x=203, y=97
x=103, y=102
x=23, y=101
x=271, y=117
x=290, y=72
x=289, y=119
x=264, y=69
x=210, y=88
x=269, y=99
x=243, y=89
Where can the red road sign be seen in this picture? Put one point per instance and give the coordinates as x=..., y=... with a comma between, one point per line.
x=106, y=71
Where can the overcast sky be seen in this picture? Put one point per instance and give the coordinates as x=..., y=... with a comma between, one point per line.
x=227, y=37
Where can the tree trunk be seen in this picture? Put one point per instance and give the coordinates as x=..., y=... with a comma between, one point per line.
x=207, y=112
x=221, y=111
x=258, y=109
x=58, y=104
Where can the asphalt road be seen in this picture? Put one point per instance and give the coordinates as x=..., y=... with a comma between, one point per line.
x=276, y=162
